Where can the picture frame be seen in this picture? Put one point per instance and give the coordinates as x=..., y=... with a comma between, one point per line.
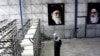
x=56, y=14
x=93, y=13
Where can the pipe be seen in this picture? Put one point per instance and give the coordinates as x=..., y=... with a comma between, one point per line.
x=21, y=15
x=75, y=26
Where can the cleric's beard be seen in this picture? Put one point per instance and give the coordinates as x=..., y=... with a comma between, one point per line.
x=94, y=19
x=57, y=20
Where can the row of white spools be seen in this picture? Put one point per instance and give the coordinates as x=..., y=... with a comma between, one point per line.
x=27, y=45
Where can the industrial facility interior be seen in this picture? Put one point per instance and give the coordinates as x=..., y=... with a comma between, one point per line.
x=26, y=29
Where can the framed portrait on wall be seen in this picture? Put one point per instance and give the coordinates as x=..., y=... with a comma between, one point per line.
x=93, y=14
x=56, y=14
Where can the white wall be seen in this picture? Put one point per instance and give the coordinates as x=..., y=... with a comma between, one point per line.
x=92, y=30
x=37, y=9
x=9, y=9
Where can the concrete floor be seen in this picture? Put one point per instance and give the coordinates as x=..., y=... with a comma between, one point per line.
x=74, y=47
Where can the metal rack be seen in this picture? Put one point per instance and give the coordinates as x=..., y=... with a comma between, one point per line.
x=12, y=45
x=31, y=43
x=8, y=44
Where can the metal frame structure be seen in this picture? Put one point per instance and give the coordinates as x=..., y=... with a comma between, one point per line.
x=8, y=39
x=21, y=15
x=75, y=26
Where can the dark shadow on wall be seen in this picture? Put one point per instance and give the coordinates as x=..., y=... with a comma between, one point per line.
x=80, y=31
x=44, y=37
x=70, y=29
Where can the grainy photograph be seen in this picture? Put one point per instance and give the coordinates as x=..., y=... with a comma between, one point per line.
x=56, y=14
x=93, y=14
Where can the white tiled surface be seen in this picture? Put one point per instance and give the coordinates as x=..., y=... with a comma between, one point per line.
x=91, y=33
x=82, y=1
x=91, y=26
x=69, y=26
x=38, y=15
x=81, y=20
x=15, y=16
x=82, y=14
x=69, y=17
x=45, y=23
x=59, y=27
x=69, y=23
x=69, y=7
x=93, y=0
x=4, y=10
x=13, y=2
x=98, y=26
x=74, y=47
x=69, y=1
x=14, y=10
x=81, y=32
x=27, y=9
x=28, y=16
x=3, y=2
x=37, y=9
x=68, y=33
x=58, y=1
x=81, y=26
x=4, y=17
x=98, y=32
x=45, y=9
x=47, y=1
x=60, y=33
x=34, y=16
x=36, y=1
x=82, y=7
x=29, y=2
x=48, y=33
x=46, y=27
x=45, y=17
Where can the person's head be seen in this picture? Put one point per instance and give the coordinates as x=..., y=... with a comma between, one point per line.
x=56, y=36
x=93, y=12
x=56, y=12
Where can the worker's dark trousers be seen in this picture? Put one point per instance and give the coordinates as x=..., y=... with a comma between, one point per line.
x=57, y=45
